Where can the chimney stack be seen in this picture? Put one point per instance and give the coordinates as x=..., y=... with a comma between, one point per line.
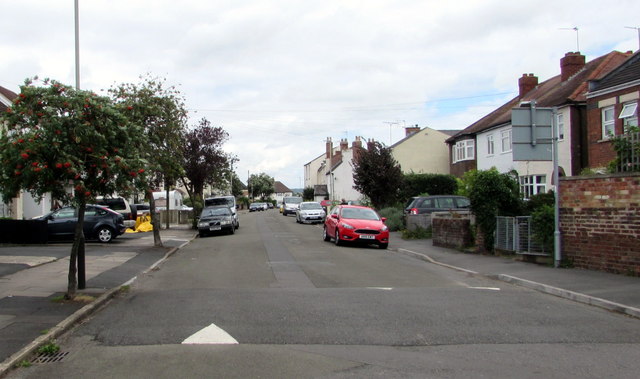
x=526, y=83
x=411, y=130
x=357, y=143
x=344, y=144
x=329, y=148
x=371, y=144
x=571, y=64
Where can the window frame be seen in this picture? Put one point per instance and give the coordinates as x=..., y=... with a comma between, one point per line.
x=608, y=123
x=464, y=150
x=630, y=117
x=560, y=126
x=506, y=135
x=532, y=184
x=491, y=148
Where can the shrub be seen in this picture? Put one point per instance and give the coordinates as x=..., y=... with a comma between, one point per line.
x=394, y=218
x=543, y=226
x=417, y=233
x=493, y=194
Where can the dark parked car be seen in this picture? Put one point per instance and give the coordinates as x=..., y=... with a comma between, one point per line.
x=216, y=219
x=100, y=223
x=437, y=203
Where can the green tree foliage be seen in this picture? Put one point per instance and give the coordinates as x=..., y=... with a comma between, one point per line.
x=307, y=193
x=70, y=143
x=261, y=185
x=160, y=111
x=432, y=184
x=237, y=186
x=204, y=161
x=377, y=175
x=493, y=194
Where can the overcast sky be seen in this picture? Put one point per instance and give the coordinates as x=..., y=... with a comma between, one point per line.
x=281, y=76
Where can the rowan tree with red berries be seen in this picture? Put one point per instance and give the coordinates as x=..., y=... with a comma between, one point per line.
x=72, y=144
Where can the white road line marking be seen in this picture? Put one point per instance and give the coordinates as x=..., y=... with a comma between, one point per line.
x=381, y=288
x=486, y=288
x=211, y=335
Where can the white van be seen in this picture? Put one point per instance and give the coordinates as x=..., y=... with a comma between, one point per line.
x=290, y=204
x=229, y=201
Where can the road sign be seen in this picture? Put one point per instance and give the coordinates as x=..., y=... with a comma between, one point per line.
x=532, y=133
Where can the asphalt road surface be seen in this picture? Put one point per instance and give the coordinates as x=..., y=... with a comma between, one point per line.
x=275, y=301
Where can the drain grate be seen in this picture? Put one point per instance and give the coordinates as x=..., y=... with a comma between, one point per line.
x=49, y=358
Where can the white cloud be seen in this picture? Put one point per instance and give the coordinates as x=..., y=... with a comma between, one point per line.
x=281, y=76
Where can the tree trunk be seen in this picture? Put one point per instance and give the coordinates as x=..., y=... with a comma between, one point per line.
x=76, y=259
x=155, y=220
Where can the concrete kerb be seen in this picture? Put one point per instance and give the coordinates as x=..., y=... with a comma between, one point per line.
x=544, y=288
x=66, y=324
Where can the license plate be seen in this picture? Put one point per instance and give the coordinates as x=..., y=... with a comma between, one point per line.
x=367, y=237
x=214, y=227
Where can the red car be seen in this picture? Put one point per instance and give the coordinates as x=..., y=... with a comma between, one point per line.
x=352, y=223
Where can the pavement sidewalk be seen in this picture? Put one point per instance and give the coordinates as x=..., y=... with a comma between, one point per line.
x=29, y=316
x=614, y=292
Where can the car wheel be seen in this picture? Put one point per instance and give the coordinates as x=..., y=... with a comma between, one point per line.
x=325, y=235
x=202, y=234
x=383, y=245
x=232, y=230
x=337, y=238
x=105, y=234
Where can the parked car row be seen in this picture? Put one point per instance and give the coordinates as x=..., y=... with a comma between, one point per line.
x=100, y=223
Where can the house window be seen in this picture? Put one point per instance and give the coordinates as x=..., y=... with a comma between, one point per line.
x=490, y=145
x=533, y=184
x=608, y=122
x=506, y=140
x=629, y=115
x=464, y=150
x=560, y=124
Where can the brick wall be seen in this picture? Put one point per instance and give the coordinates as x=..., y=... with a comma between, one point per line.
x=451, y=232
x=600, y=222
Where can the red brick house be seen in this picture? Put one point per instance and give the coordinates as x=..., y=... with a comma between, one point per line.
x=487, y=142
x=612, y=105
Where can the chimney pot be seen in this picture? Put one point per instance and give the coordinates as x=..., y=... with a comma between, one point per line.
x=571, y=64
x=526, y=83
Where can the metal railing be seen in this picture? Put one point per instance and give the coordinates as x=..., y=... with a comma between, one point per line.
x=515, y=234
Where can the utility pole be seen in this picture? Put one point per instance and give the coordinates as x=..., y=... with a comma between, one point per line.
x=77, y=33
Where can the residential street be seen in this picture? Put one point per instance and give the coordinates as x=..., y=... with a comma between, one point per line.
x=274, y=300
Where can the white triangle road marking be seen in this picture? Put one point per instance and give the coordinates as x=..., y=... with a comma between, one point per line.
x=211, y=335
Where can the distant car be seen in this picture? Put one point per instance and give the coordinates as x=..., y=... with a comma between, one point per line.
x=229, y=201
x=270, y=205
x=100, y=223
x=310, y=211
x=437, y=203
x=120, y=205
x=257, y=207
x=142, y=209
x=216, y=219
x=352, y=223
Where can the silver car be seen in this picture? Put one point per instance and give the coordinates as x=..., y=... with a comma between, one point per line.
x=310, y=212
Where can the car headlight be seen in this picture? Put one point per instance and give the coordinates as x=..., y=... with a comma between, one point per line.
x=384, y=228
x=203, y=224
x=347, y=226
x=225, y=222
